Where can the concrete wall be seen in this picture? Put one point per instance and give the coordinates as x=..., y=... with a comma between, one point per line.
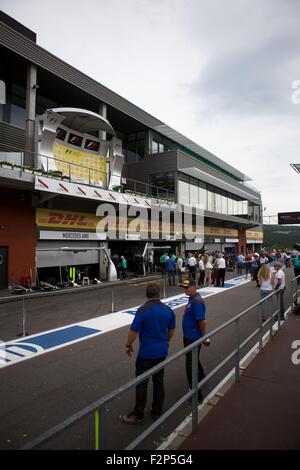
x=17, y=232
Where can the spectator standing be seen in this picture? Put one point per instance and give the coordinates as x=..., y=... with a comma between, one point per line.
x=208, y=270
x=192, y=263
x=123, y=267
x=194, y=327
x=256, y=268
x=221, y=270
x=150, y=261
x=279, y=284
x=201, y=271
x=155, y=324
x=248, y=266
x=170, y=267
x=240, y=264
x=179, y=267
x=265, y=282
x=162, y=261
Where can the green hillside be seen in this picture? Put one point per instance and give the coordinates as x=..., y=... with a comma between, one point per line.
x=281, y=236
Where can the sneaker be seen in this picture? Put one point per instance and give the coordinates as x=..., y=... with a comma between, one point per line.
x=131, y=419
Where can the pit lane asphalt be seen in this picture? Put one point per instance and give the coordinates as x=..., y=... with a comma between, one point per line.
x=39, y=393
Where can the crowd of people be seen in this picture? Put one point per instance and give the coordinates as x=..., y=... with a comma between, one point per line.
x=208, y=269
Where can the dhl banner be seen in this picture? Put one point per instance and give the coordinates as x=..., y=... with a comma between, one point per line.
x=47, y=218
x=50, y=218
x=83, y=166
x=65, y=219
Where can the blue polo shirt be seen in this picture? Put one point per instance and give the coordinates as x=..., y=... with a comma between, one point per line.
x=152, y=321
x=194, y=311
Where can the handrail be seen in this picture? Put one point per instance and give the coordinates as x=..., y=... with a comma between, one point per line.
x=99, y=404
x=150, y=190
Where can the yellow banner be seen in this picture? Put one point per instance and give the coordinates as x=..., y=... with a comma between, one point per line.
x=250, y=234
x=85, y=166
x=66, y=219
x=221, y=231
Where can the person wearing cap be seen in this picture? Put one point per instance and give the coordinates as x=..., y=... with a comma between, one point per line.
x=194, y=327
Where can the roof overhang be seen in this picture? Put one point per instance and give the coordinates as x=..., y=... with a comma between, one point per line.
x=83, y=120
x=207, y=178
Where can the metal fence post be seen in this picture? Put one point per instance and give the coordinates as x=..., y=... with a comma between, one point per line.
x=24, y=332
x=112, y=300
x=97, y=430
x=237, y=360
x=262, y=309
x=195, y=388
x=271, y=318
x=164, y=281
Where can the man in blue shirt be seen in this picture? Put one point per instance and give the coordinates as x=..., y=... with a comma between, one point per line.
x=194, y=327
x=170, y=267
x=155, y=324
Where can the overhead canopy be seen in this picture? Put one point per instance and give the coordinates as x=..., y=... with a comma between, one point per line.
x=83, y=120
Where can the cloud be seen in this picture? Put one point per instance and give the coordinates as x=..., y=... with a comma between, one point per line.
x=253, y=68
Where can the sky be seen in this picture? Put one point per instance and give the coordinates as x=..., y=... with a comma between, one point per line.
x=224, y=74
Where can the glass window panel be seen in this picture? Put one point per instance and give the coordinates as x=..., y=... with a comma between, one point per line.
x=17, y=116
x=235, y=207
x=194, y=195
x=224, y=205
x=202, y=198
x=211, y=205
x=161, y=148
x=230, y=206
x=183, y=192
x=163, y=180
x=218, y=203
x=154, y=147
x=131, y=152
x=140, y=150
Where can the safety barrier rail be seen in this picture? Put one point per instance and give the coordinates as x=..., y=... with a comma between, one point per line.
x=98, y=406
x=111, y=301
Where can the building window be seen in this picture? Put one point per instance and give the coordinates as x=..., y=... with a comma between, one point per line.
x=163, y=180
x=134, y=147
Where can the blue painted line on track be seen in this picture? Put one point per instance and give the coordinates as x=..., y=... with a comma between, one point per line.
x=66, y=335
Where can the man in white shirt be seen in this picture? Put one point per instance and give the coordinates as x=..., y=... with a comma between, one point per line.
x=192, y=267
x=279, y=284
x=221, y=265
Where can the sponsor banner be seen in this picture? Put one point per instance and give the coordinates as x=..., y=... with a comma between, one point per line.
x=220, y=232
x=82, y=165
x=66, y=219
x=231, y=240
x=88, y=192
x=55, y=235
x=254, y=235
x=50, y=218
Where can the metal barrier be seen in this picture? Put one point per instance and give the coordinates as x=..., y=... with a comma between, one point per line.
x=25, y=316
x=98, y=406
